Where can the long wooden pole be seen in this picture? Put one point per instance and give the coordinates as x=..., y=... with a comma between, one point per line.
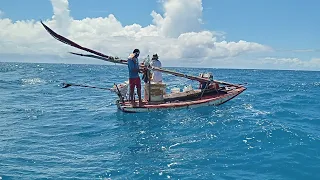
x=104, y=57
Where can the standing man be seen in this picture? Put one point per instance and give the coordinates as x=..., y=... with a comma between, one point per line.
x=134, y=79
x=156, y=76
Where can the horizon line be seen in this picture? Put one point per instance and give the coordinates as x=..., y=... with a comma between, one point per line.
x=112, y=64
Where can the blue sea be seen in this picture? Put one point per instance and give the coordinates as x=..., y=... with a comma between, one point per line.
x=270, y=131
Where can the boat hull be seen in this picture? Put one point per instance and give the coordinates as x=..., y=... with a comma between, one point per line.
x=208, y=100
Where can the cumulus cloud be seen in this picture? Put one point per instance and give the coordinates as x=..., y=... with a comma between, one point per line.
x=61, y=14
x=179, y=17
x=174, y=35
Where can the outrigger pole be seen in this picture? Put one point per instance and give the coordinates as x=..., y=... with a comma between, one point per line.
x=66, y=85
x=107, y=58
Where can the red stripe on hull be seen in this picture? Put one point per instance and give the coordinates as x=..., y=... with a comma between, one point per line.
x=126, y=107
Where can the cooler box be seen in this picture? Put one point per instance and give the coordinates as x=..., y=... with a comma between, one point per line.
x=157, y=90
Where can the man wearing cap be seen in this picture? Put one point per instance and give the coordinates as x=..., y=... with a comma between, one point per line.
x=134, y=78
x=156, y=76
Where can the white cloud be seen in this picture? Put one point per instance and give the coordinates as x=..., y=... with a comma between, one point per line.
x=174, y=35
x=1, y=13
x=61, y=15
x=291, y=63
x=179, y=17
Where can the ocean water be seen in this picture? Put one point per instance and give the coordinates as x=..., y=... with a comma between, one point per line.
x=270, y=131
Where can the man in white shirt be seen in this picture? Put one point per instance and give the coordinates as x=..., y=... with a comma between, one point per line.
x=157, y=75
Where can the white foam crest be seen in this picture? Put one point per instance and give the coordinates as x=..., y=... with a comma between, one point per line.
x=316, y=83
x=256, y=112
x=187, y=142
x=32, y=81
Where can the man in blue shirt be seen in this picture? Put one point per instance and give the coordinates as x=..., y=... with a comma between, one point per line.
x=134, y=78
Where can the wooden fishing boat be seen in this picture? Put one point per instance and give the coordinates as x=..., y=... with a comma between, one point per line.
x=223, y=95
x=212, y=94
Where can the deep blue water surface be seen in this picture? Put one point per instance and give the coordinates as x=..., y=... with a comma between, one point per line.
x=270, y=131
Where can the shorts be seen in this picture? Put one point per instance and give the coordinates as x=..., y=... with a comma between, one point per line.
x=135, y=82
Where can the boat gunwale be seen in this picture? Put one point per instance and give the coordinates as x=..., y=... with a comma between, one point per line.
x=127, y=107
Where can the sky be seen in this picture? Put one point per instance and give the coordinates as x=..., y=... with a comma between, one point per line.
x=249, y=34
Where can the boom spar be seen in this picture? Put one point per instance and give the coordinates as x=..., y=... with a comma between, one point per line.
x=107, y=58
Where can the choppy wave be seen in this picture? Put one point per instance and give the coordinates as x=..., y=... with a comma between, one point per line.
x=271, y=131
